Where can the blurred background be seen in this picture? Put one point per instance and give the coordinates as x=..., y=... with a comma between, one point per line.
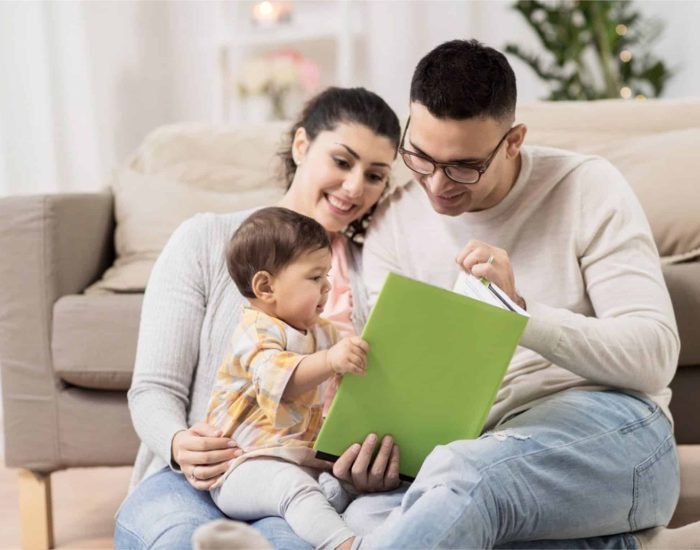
x=82, y=82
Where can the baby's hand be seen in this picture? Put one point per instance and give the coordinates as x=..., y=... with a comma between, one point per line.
x=349, y=355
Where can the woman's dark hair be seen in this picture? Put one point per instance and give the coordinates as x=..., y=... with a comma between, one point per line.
x=269, y=240
x=334, y=106
x=464, y=79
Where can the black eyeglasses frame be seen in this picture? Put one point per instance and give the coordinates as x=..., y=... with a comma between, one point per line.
x=479, y=166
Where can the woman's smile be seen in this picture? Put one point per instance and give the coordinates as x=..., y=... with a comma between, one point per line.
x=339, y=206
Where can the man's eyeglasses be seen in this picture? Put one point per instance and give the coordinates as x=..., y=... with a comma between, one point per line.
x=459, y=172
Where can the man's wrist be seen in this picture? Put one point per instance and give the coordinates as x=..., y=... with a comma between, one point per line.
x=521, y=302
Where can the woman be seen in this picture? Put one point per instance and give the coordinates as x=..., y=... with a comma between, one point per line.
x=337, y=166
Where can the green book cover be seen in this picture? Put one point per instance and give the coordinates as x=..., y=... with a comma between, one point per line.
x=436, y=361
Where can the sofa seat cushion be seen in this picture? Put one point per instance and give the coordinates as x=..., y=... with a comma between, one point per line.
x=94, y=339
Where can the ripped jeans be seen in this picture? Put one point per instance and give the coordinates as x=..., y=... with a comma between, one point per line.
x=581, y=470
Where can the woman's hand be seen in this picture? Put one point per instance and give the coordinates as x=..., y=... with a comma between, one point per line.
x=483, y=260
x=203, y=455
x=381, y=475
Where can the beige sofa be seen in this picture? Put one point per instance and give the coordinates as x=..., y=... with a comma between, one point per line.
x=67, y=355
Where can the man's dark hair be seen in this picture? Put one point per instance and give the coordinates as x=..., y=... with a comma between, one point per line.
x=269, y=240
x=464, y=79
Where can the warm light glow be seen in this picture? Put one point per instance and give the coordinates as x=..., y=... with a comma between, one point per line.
x=621, y=30
x=625, y=92
x=625, y=56
x=640, y=97
x=265, y=8
x=268, y=13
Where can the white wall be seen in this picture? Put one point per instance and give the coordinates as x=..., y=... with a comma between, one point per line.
x=679, y=44
x=81, y=83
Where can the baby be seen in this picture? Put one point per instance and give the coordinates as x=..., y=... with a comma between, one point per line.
x=268, y=395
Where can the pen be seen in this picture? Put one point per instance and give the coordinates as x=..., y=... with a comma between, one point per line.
x=484, y=280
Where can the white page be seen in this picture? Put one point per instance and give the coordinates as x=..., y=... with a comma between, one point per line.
x=470, y=286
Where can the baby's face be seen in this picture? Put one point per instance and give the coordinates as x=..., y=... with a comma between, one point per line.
x=301, y=289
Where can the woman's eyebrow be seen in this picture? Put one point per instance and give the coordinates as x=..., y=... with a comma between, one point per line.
x=354, y=154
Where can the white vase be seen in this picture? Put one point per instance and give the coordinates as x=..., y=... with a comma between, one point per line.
x=257, y=109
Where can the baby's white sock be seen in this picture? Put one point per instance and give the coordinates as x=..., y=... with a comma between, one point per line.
x=334, y=491
x=227, y=534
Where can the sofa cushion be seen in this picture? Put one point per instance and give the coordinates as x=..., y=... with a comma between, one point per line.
x=148, y=208
x=580, y=124
x=178, y=171
x=215, y=158
x=652, y=143
x=664, y=171
x=94, y=340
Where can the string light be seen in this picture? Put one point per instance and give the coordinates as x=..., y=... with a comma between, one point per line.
x=640, y=97
x=625, y=92
x=621, y=29
x=625, y=56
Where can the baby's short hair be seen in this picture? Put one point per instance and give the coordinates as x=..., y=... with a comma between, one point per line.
x=269, y=240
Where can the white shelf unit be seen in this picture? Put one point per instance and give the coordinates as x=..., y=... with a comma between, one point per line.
x=326, y=31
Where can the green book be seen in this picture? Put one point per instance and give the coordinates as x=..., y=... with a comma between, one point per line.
x=436, y=361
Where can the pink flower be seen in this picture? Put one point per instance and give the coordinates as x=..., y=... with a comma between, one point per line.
x=309, y=75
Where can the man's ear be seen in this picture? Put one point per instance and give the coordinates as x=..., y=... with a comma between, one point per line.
x=515, y=140
x=262, y=287
x=300, y=145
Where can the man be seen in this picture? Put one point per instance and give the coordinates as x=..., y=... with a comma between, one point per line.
x=581, y=443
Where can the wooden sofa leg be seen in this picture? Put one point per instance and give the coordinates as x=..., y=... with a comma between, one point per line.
x=35, y=510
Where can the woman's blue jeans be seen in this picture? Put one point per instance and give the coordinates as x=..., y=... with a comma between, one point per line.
x=164, y=510
x=580, y=470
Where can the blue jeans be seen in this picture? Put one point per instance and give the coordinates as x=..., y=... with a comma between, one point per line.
x=164, y=510
x=581, y=470
x=583, y=466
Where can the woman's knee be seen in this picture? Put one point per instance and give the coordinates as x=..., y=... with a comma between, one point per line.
x=163, y=510
x=166, y=530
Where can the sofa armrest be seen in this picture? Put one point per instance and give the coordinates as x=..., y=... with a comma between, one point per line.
x=52, y=245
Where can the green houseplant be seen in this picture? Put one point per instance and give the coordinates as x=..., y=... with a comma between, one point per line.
x=594, y=49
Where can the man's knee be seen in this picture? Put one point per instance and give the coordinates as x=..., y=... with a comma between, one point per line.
x=451, y=464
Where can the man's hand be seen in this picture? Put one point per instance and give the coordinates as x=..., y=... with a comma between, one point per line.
x=483, y=260
x=381, y=475
x=202, y=454
x=348, y=356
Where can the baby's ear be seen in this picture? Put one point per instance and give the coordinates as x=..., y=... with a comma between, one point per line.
x=262, y=286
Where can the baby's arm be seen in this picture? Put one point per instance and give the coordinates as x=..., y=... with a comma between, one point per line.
x=347, y=356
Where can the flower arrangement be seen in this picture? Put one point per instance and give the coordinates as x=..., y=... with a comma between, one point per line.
x=275, y=75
